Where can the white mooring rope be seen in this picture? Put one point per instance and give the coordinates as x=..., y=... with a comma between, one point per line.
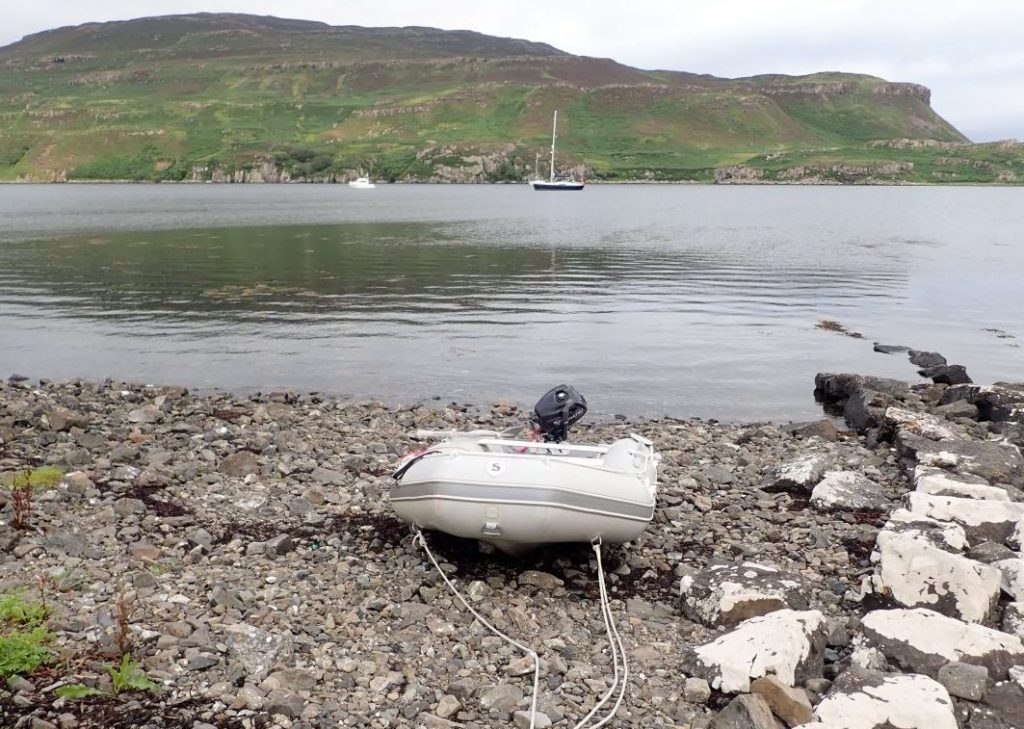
x=614, y=641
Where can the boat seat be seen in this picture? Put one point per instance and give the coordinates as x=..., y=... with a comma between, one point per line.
x=621, y=455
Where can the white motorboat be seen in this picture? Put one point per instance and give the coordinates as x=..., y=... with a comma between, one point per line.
x=552, y=183
x=363, y=183
x=517, y=494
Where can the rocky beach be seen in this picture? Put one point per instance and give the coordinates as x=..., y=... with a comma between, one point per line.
x=864, y=570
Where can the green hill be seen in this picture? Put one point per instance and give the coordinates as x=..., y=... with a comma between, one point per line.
x=245, y=98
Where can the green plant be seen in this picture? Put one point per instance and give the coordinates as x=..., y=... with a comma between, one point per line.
x=76, y=691
x=15, y=608
x=23, y=651
x=130, y=677
x=36, y=478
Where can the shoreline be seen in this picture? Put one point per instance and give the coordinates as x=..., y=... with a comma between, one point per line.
x=269, y=584
x=589, y=183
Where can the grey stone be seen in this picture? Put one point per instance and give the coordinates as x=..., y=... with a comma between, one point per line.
x=521, y=720
x=989, y=552
x=925, y=359
x=201, y=662
x=994, y=462
x=285, y=703
x=958, y=409
x=964, y=680
x=225, y=597
x=824, y=429
x=258, y=650
x=447, y=706
x=946, y=374
x=126, y=507
x=240, y=464
x=502, y=698
x=294, y=679
x=848, y=491
x=924, y=641
x=799, y=476
x=145, y=415
x=745, y=712
x=328, y=477
x=729, y=594
x=696, y=691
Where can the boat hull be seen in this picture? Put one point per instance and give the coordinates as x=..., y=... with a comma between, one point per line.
x=516, y=501
x=538, y=185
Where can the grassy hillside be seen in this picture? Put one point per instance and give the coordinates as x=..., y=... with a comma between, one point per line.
x=245, y=98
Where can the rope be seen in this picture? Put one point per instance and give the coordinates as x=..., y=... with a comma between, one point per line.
x=614, y=644
x=614, y=640
x=480, y=618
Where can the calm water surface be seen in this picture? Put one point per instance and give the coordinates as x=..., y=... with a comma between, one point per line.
x=681, y=300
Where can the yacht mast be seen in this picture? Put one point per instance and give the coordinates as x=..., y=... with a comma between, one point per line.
x=554, y=130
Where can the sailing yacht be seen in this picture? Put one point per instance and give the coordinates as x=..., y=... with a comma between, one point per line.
x=551, y=183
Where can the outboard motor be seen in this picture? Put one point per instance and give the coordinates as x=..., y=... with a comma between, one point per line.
x=560, y=407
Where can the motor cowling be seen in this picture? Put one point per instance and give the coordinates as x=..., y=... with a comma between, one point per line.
x=560, y=407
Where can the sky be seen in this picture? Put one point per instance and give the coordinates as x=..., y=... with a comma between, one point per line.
x=969, y=53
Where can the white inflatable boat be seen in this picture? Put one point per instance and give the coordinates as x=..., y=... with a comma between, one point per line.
x=518, y=494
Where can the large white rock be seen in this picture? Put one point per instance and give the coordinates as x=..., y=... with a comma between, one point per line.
x=921, y=424
x=848, y=490
x=866, y=700
x=983, y=520
x=924, y=641
x=937, y=482
x=1013, y=576
x=798, y=476
x=918, y=574
x=789, y=644
x=1016, y=538
x=942, y=534
x=728, y=594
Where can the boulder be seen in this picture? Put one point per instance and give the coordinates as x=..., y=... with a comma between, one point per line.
x=729, y=594
x=832, y=387
x=848, y=491
x=964, y=680
x=990, y=552
x=824, y=429
x=787, y=643
x=890, y=348
x=1013, y=619
x=865, y=409
x=867, y=700
x=928, y=426
x=1000, y=402
x=982, y=519
x=942, y=534
x=937, y=482
x=994, y=462
x=917, y=574
x=1013, y=576
x=946, y=374
x=924, y=641
x=788, y=703
x=925, y=359
x=745, y=712
x=799, y=476
x=1002, y=707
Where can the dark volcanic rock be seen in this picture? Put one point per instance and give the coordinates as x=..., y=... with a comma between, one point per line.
x=926, y=359
x=890, y=348
x=946, y=374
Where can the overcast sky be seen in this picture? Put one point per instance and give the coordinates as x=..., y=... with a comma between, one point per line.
x=970, y=53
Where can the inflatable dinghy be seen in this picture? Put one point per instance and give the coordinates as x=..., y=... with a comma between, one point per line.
x=518, y=494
